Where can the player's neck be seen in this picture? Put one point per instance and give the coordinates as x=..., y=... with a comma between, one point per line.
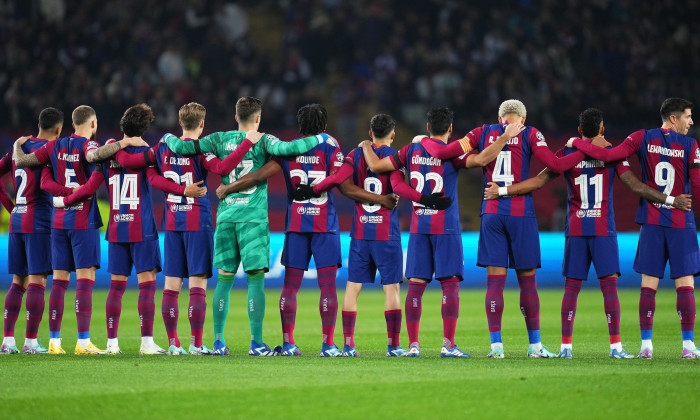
x=43, y=135
x=381, y=142
x=247, y=127
x=187, y=134
x=83, y=132
x=443, y=138
x=668, y=126
x=126, y=137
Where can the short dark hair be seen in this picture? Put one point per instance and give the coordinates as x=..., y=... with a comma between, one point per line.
x=136, y=120
x=246, y=107
x=50, y=118
x=82, y=114
x=312, y=119
x=381, y=125
x=589, y=121
x=674, y=106
x=439, y=119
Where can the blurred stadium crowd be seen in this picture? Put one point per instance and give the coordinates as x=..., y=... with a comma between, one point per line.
x=356, y=57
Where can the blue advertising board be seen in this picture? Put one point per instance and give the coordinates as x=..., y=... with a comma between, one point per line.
x=552, y=246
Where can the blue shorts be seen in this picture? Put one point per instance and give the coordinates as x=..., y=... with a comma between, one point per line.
x=72, y=249
x=365, y=257
x=441, y=255
x=29, y=253
x=299, y=247
x=143, y=256
x=659, y=244
x=580, y=251
x=188, y=254
x=508, y=241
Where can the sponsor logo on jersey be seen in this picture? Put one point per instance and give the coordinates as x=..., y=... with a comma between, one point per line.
x=182, y=161
x=123, y=218
x=588, y=213
x=313, y=160
x=371, y=219
x=591, y=164
x=174, y=208
x=230, y=147
x=426, y=212
x=237, y=200
x=662, y=206
x=309, y=211
x=665, y=151
x=422, y=160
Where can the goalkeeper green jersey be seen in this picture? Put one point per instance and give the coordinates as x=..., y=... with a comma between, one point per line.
x=248, y=205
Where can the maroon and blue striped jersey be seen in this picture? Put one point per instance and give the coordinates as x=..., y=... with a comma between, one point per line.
x=185, y=213
x=33, y=210
x=669, y=160
x=590, y=208
x=372, y=221
x=131, y=217
x=316, y=214
x=512, y=165
x=71, y=169
x=666, y=158
x=430, y=175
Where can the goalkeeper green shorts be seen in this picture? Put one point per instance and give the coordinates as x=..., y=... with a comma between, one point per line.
x=247, y=243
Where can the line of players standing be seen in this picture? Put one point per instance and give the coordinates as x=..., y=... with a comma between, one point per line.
x=508, y=237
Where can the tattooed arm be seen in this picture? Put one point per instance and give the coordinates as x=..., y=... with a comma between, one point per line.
x=110, y=149
x=22, y=160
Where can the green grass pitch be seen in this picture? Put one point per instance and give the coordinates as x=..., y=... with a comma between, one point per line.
x=373, y=386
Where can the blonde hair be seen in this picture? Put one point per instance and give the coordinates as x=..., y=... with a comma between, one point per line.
x=512, y=106
x=191, y=115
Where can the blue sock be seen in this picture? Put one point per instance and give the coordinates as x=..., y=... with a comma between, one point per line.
x=646, y=334
x=55, y=334
x=84, y=335
x=496, y=337
x=688, y=335
x=533, y=336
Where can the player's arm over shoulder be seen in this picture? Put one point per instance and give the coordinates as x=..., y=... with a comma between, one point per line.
x=249, y=180
x=380, y=165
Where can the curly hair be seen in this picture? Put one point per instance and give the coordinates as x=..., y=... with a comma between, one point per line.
x=136, y=120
